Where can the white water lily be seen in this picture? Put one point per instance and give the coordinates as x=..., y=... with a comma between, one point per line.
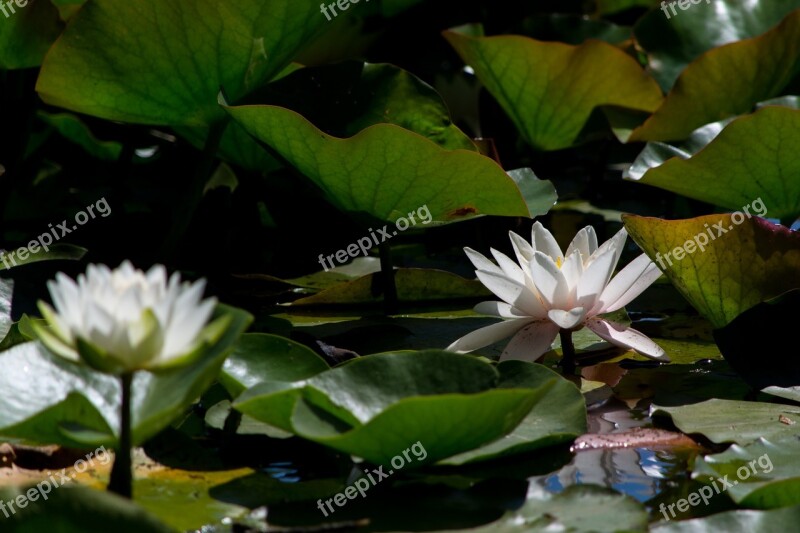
x=125, y=320
x=546, y=291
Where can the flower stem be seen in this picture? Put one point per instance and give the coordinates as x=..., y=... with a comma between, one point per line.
x=121, y=473
x=567, y=351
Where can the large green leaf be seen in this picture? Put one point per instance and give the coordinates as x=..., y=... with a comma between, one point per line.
x=727, y=81
x=377, y=406
x=738, y=267
x=736, y=522
x=726, y=175
x=672, y=41
x=27, y=33
x=767, y=472
x=550, y=89
x=413, y=285
x=385, y=171
x=260, y=357
x=733, y=421
x=158, y=62
x=47, y=399
x=79, y=510
x=559, y=417
x=579, y=509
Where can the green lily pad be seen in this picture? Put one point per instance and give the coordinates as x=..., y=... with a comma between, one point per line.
x=559, y=417
x=157, y=62
x=741, y=266
x=57, y=251
x=550, y=89
x=385, y=172
x=50, y=400
x=27, y=33
x=766, y=473
x=672, y=41
x=377, y=406
x=727, y=81
x=258, y=357
x=578, y=509
x=78, y=510
x=413, y=285
x=733, y=421
x=736, y=522
x=71, y=127
x=725, y=175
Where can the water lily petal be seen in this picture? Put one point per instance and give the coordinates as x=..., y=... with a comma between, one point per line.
x=616, y=243
x=585, y=242
x=500, y=309
x=513, y=293
x=531, y=342
x=567, y=319
x=572, y=270
x=481, y=262
x=550, y=281
x=488, y=335
x=626, y=337
x=595, y=279
x=629, y=283
x=509, y=267
x=543, y=241
x=522, y=248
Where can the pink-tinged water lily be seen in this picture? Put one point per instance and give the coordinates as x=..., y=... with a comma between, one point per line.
x=125, y=320
x=547, y=291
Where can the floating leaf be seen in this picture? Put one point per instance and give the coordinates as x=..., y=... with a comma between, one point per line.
x=71, y=127
x=673, y=40
x=377, y=406
x=765, y=474
x=27, y=32
x=736, y=522
x=727, y=81
x=732, y=421
x=739, y=266
x=550, y=89
x=385, y=172
x=726, y=175
x=157, y=62
x=413, y=285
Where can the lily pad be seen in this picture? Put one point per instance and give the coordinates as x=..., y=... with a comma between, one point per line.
x=73, y=405
x=157, y=62
x=413, y=285
x=733, y=421
x=27, y=33
x=765, y=474
x=727, y=81
x=559, y=417
x=740, y=265
x=736, y=522
x=550, y=89
x=578, y=509
x=80, y=510
x=672, y=41
x=385, y=172
x=724, y=174
x=377, y=406
x=71, y=127
x=258, y=357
